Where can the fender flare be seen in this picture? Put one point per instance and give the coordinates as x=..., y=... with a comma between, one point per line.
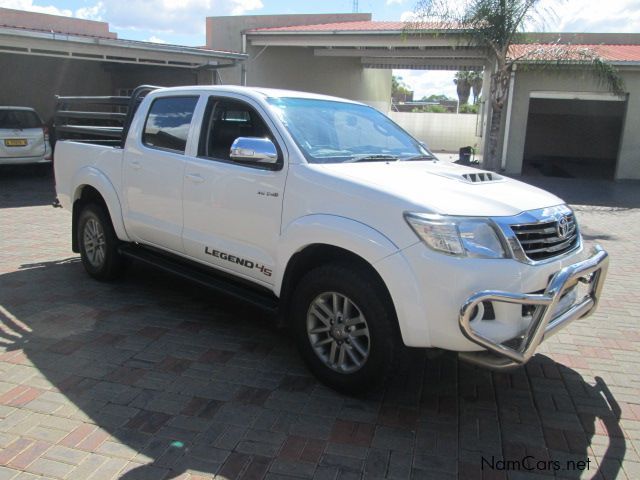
x=91, y=176
x=332, y=230
x=379, y=251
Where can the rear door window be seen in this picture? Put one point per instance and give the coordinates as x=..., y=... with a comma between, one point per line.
x=20, y=119
x=168, y=122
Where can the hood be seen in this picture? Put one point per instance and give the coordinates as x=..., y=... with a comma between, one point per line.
x=445, y=188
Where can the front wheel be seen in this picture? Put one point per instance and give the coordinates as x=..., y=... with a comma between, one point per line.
x=343, y=325
x=98, y=243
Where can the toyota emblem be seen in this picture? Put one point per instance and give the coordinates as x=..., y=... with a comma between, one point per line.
x=563, y=227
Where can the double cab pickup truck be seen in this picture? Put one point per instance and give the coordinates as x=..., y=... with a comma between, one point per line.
x=327, y=213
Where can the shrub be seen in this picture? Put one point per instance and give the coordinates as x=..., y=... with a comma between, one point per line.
x=466, y=108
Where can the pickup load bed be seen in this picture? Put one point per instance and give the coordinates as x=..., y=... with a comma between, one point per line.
x=327, y=213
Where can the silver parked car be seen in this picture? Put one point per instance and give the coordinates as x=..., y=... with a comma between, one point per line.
x=24, y=139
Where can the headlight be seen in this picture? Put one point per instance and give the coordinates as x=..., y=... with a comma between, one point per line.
x=459, y=236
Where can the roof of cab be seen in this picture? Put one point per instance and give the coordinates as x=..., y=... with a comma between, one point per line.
x=255, y=92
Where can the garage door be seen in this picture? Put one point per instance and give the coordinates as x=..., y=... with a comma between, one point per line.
x=573, y=137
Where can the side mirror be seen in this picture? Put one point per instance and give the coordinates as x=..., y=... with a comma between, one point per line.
x=254, y=150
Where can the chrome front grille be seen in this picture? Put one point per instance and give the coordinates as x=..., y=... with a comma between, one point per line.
x=547, y=239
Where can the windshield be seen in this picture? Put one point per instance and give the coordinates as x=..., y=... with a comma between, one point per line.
x=330, y=132
x=19, y=119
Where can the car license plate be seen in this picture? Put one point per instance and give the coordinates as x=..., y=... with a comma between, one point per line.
x=15, y=142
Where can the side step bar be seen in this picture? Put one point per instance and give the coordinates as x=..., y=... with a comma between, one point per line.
x=201, y=275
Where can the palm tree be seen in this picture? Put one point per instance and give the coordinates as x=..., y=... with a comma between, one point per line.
x=496, y=25
x=476, y=79
x=463, y=87
x=467, y=83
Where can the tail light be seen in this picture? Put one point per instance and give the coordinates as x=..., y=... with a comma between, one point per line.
x=45, y=132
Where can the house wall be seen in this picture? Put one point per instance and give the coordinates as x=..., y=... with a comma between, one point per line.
x=130, y=76
x=296, y=68
x=225, y=33
x=55, y=23
x=574, y=80
x=34, y=81
x=440, y=131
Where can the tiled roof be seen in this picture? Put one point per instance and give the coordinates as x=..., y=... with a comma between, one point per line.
x=546, y=52
x=363, y=26
x=532, y=52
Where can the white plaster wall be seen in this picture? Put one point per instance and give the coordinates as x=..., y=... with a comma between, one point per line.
x=296, y=68
x=440, y=131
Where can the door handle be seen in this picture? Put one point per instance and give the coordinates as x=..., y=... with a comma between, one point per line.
x=194, y=177
x=135, y=164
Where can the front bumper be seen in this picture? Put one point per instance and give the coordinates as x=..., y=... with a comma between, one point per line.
x=546, y=320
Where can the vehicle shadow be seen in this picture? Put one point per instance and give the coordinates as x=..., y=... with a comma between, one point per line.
x=189, y=382
x=26, y=185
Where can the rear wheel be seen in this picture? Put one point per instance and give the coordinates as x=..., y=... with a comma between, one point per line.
x=98, y=243
x=343, y=326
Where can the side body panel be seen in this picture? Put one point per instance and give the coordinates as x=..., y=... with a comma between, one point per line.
x=80, y=164
x=333, y=230
x=232, y=212
x=152, y=188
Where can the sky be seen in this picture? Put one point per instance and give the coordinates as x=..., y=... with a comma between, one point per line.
x=183, y=21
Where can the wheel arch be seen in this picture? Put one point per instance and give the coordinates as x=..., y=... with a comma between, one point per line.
x=318, y=239
x=342, y=234
x=318, y=254
x=94, y=187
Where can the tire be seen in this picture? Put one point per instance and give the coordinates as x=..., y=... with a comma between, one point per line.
x=369, y=346
x=98, y=243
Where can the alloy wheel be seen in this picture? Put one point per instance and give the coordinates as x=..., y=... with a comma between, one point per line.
x=338, y=332
x=94, y=242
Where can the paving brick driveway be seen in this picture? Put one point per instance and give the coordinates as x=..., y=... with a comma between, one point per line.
x=152, y=378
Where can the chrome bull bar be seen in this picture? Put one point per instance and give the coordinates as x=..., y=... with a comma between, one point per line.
x=543, y=323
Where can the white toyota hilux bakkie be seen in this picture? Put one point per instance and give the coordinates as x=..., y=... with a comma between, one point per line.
x=327, y=213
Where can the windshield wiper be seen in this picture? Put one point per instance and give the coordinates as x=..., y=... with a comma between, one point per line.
x=372, y=158
x=419, y=157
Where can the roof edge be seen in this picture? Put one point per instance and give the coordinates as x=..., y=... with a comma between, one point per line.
x=120, y=42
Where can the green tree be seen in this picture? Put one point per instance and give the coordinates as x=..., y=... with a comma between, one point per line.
x=435, y=98
x=398, y=86
x=496, y=25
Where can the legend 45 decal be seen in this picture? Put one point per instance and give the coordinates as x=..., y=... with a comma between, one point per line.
x=238, y=260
